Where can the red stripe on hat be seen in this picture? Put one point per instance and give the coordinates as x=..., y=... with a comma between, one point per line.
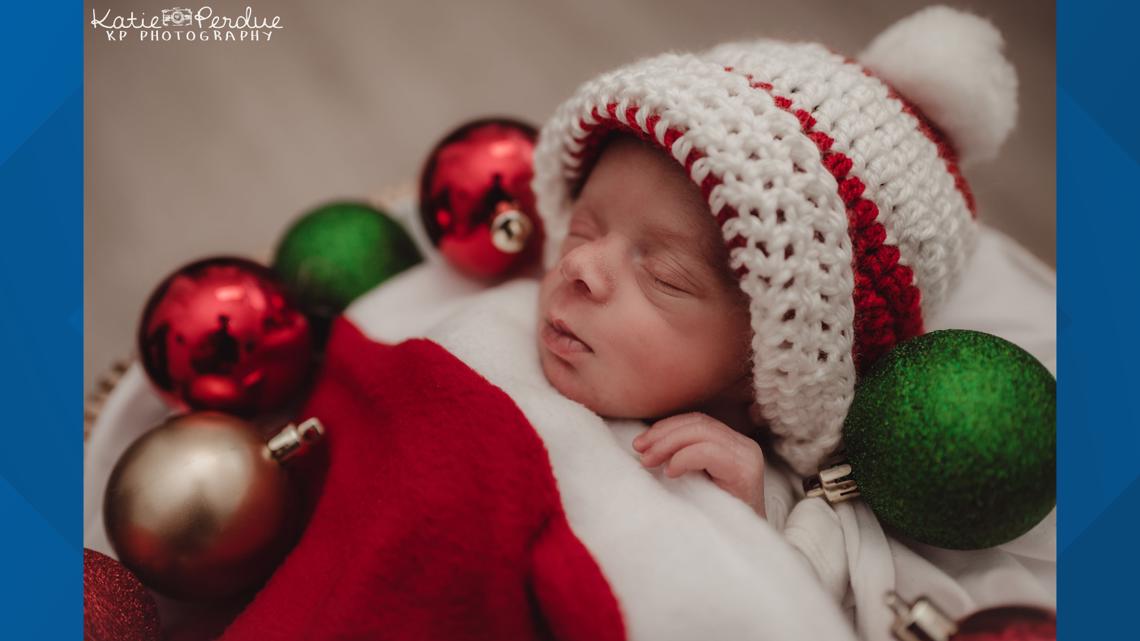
x=887, y=304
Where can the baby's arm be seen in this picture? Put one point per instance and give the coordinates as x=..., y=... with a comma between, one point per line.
x=697, y=442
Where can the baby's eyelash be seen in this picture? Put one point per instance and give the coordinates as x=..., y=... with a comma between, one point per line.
x=667, y=286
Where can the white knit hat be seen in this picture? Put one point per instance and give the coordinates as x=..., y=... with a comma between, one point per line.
x=843, y=208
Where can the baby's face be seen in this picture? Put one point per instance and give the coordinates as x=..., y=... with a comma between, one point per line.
x=640, y=318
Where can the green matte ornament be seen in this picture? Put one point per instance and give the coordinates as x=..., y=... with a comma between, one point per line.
x=336, y=252
x=951, y=440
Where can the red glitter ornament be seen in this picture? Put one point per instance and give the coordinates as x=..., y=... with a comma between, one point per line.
x=475, y=197
x=116, y=606
x=924, y=621
x=220, y=334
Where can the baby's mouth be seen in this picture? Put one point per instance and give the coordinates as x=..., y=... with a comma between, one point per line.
x=560, y=333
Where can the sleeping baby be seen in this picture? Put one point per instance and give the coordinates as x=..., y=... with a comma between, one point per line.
x=642, y=318
x=733, y=237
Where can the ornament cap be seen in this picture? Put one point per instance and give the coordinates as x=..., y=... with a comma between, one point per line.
x=834, y=482
x=294, y=440
x=510, y=229
x=920, y=621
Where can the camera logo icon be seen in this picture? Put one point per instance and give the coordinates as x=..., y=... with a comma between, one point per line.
x=177, y=17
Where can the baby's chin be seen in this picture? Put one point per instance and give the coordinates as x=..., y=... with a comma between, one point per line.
x=569, y=382
x=561, y=376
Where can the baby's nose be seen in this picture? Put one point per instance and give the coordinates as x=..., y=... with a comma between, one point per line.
x=588, y=268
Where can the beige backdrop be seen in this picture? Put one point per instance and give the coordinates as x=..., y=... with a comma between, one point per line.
x=194, y=149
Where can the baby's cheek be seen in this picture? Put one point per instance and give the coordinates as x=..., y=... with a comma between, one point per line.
x=644, y=332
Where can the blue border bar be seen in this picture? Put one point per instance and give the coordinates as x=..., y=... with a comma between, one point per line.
x=41, y=327
x=1098, y=151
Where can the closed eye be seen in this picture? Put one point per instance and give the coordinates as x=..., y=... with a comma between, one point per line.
x=668, y=287
x=669, y=277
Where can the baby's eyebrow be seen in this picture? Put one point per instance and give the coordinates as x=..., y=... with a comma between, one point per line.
x=682, y=242
x=666, y=236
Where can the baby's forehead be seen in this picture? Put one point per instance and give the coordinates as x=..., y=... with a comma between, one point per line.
x=688, y=226
x=690, y=233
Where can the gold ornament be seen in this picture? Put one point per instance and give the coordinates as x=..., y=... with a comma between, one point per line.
x=200, y=507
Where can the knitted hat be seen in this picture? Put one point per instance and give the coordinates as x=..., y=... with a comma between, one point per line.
x=841, y=202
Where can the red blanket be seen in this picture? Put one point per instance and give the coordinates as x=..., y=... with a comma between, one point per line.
x=438, y=514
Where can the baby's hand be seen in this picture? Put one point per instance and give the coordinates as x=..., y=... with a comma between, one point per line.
x=695, y=441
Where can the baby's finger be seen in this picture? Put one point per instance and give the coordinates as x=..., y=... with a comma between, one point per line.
x=706, y=456
x=683, y=436
x=665, y=426
x=694, y=457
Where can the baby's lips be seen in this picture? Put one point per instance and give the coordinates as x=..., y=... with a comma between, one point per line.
x=561, y=327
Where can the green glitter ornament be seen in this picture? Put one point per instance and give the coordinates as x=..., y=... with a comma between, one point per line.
x=336, y=252
x=951, y=439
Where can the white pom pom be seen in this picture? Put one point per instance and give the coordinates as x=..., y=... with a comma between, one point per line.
x=950, y=64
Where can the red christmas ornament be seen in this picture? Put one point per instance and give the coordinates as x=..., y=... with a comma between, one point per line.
x=475, y=197
x=924, y=621
x=116, y=606
x=220, y=334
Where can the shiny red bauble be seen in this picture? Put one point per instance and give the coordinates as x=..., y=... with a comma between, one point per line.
x=475, y=198
x=923, y=620
x=116, y=606
x=1008, y=624
x=220, y=334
